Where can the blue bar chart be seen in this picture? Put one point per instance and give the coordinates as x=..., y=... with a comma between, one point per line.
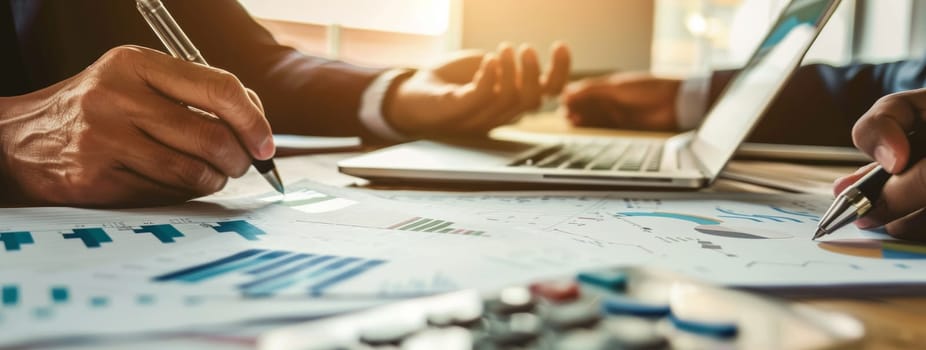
x=164, y=233
x=241, y=227
x=103, y=236
x=268, y=272
x=13, y=241
x=91, y=237
x=9, y=295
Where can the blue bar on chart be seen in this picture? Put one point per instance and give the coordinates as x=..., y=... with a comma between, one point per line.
x=215, y=270
x=278, y=264
x=42, y=312
x=267, y=285
x=164, y=233
x=13, y=241
x=59, y=295
x=241, y=227
x=272, y=271
x=207, y=266
x=92, y=237
x=145, y=299
x=99, y=301
x=9, y=295
x=319, y=288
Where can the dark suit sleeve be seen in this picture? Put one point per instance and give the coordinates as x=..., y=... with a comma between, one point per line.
x=302, y=94
x=821, y=103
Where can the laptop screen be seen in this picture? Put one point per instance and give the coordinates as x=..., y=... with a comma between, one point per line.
x=747, y=95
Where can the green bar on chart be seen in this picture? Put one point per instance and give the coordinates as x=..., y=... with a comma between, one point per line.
x=415, y=224
x=439, y=227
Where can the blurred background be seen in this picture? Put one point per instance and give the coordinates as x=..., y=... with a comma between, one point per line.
x=668, y=37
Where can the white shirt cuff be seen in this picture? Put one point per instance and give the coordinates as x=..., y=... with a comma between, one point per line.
x=371, y=106
x=691, y=102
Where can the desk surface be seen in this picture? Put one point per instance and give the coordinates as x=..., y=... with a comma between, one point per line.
x=892, y=322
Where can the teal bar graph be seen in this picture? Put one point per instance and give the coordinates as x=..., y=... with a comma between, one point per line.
x=99, y=301
x=13, y=241
x=59, y=295
x=9, y=295
x=92, y=237
x=42, y=313
x=164, y=233
x=145, y=299
x=320, y=287
x=232, y=266
x=242, y=228
x=262, y=273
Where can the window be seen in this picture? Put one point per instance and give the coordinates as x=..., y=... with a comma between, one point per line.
x=694, y=36
x=375, y=32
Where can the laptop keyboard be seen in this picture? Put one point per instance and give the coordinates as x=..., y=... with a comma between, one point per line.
x=638, y=155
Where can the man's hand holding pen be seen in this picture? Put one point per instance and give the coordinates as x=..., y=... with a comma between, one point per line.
x=882, y=133
x=114, y=135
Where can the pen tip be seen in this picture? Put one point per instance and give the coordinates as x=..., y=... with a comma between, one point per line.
x=820, y=233
x=273, y=177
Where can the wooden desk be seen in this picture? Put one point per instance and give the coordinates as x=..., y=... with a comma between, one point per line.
x=892, y=323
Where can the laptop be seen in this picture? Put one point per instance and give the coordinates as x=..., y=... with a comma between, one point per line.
x=688, y=160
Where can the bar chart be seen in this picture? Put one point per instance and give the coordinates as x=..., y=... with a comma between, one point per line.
x=94, y=238
x=13, y=241
x=265, y=273
x=48, y=300
x=91, y=237
x=422, y=224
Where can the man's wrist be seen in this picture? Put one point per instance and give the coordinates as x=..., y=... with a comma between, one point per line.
x=377, y=100
x=691, y=102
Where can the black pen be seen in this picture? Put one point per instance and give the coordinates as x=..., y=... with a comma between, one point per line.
x=181, y=47
x=858, y=199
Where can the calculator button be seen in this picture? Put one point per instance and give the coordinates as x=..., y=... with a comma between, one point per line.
x=451, y=338
x=613, y=280
x=621, y=305
x=556, y=291
x=573, y=315
x=511, y=300
x=633, y=333
x=519, y=329
x=466, y=314
x=720, y=330
x=390, y=333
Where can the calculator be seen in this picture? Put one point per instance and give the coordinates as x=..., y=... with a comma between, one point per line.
x=610, y=308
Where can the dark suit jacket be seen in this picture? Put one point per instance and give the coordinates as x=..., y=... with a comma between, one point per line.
x=51, y=40
x=821, y=103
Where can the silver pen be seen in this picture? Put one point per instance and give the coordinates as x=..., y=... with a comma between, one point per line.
x=860, y=198
x=180, y=46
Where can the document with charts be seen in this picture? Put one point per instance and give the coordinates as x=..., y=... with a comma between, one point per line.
x=746, y=240
x=312, y=253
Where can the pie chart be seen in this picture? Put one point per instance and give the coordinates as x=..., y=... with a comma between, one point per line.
x=877, y=249
x=740, y=232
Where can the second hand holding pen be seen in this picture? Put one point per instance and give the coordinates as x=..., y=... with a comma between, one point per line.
x=181, y=47
x=858, y=199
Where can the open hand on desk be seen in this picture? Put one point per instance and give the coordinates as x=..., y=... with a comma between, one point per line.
x=115, y=134
x=882, y=134
x=630, y=100
x=475, y=92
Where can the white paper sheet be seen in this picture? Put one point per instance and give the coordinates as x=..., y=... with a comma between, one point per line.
x=744, y=240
